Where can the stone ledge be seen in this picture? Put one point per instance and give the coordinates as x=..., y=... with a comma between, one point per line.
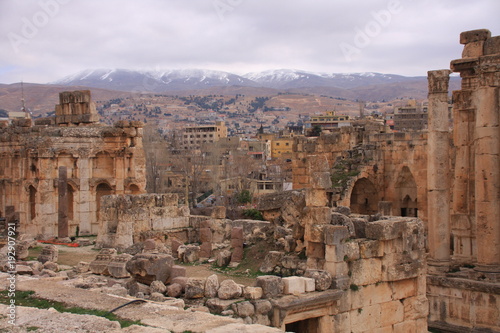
x=484, y=287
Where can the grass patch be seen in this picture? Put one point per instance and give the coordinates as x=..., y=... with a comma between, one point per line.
x=27, y=298
x=253, y=256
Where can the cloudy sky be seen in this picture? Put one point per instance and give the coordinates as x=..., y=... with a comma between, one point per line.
x=45, y=40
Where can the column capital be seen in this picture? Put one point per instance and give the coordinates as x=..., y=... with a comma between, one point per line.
x=438, y=81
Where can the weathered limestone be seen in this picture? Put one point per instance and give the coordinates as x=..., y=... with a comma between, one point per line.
x=48, y=253
x=117, y=266
x=228, y=289
x=100, y=264
x=99, y=160
x=125, y=217
x=466, y=297
x=148, y=267
x=438, y=184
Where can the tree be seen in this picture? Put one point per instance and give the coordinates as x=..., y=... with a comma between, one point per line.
x=316, y=130
x=244, y=197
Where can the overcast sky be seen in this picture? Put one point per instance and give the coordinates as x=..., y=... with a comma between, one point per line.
x=45, y=40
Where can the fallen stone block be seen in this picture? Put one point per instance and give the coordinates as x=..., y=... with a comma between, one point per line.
x=252, y=292
x=195, y=288
x=293, y=285
x=229, y=289
x=272, y=259
x=148, y=267
x=223, y=258
x=211, y=286
x=323, y=279
x=102, y=260
x=117, y=266
x=216, y=305
x=174, y=290
x=271, y=285
x=158, y=287
x=48, y=253
x=243, y=309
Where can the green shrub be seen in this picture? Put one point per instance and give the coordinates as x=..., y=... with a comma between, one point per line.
x=253, y=214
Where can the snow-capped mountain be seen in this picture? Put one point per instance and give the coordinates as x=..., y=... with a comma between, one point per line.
x=196, y=79
x=289, y=78
x=154, y=81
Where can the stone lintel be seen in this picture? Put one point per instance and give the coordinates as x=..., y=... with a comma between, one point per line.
x=304, y=303
x=459, y=65
x=470, y=36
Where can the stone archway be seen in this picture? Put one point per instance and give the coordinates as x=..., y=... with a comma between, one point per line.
x=134, y=189
x=364, y=197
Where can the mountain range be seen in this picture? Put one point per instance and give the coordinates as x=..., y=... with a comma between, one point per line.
x=348, y=85
x=118, y=83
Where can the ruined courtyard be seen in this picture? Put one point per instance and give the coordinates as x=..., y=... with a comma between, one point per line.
x=382, y=232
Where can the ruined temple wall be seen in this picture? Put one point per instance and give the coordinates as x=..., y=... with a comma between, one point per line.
x=460, y=305
x=330, y=146
x=383, y=276
x=403, y=160
x=395, y=163
x=386, y=273
x=98, y=159
x=126, y=217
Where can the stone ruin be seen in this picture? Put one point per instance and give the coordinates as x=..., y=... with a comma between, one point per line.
x=343, y=262
x=335, y=271
x=53, y=171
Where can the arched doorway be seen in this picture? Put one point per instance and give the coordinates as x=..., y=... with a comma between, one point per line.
x=409, y=207
x=101, y=190
x=364, y=197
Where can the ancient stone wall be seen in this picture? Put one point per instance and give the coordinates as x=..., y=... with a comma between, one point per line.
x=464, y=240
x=97, y=160
x=374, y=169
x=355, y=276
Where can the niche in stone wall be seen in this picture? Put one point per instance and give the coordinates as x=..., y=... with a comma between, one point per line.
x=134, y=189
x=406, y=191
x=364, y=197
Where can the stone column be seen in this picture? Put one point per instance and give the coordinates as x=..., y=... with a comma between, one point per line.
x=62, y=211
x=438, y=164
x=487, y=177
x=85, y=197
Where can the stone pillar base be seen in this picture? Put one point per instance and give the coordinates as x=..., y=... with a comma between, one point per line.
x=437, y=267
